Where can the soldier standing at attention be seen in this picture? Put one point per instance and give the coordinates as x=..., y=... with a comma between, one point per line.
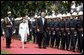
x=63, y=31
x=73, y=31
x=67, y=30
x=52, y=33
x=8, y=28
x=57, y=37
x=80, y=31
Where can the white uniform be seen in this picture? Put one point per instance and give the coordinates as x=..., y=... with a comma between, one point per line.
x=23, y=31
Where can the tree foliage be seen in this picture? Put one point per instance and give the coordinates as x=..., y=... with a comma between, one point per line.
x=20, y=8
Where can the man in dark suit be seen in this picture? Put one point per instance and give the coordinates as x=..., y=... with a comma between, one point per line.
x=41, y=28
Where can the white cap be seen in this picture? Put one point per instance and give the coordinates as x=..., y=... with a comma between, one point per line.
x=78, y=8
x=26, y=16
x=80, y=13
x=68, y=14
x=2, y=19
x=9, y=12
x=59, y=15
x=74, y=14
x=35, y=16
x=47, y=16
x=64, y=15
x=53, y=16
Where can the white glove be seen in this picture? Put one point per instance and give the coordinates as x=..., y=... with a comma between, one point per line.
x=82, y=35
x=14, y=31
x=3, y=32
x=38, y=30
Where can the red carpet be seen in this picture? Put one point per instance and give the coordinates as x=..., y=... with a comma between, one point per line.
x=31, y=48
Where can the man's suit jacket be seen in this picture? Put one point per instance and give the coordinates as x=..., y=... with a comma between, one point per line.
x=42, y=28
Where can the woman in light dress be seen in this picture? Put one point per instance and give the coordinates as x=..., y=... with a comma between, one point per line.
x=23, y=31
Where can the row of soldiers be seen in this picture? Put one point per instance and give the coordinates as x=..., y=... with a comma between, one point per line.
x=64, y=32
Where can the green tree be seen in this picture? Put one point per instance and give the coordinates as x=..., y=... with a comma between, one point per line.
x=20, y=8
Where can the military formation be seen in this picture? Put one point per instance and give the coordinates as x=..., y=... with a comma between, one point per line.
x=65, y=31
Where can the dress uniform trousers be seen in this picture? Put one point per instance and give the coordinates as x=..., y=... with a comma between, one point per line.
x=34, y=35
x=67, y=39
x=57, y=38
x=63, y=39
x=8, y=32
x=48, y=37
x=80, y=40
x=52, y=38
x=73, y=39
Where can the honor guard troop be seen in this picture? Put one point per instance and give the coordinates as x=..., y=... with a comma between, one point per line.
x=66, y=31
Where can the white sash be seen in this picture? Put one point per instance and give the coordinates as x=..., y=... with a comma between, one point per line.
x=9, y=20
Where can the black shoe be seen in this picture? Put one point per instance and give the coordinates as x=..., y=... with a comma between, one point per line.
x=7, y=46
x=40, y=47
x=44, y=47
x=67, y=49
x=51, y=46
x=62, y=48
x=73, y=50
x=24, y=42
